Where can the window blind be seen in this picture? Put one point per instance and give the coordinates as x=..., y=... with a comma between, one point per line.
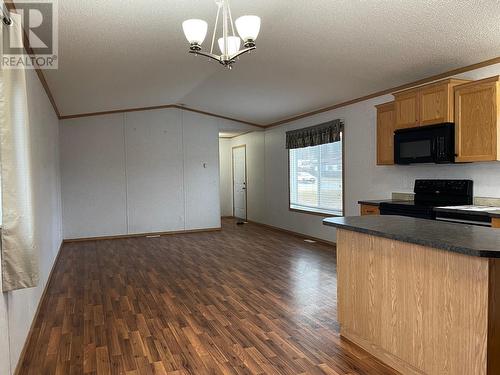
x=316, y=178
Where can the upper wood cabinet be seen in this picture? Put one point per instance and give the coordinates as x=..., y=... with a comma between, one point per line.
x=477, y=120
x=426, y=105
x=436, y=103
x=406, y=109
x=385, y=133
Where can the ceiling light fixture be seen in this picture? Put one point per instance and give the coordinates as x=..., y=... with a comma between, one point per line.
x=248, y=28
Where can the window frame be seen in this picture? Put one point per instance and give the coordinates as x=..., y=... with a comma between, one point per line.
x=312, y=211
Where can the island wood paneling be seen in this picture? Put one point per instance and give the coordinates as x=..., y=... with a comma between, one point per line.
x=421, y=310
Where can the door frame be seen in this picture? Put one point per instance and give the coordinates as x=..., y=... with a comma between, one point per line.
x=246, y=179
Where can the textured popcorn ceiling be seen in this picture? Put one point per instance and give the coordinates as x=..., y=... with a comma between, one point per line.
x=117, y=54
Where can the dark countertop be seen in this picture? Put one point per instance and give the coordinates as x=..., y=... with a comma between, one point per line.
x=493, y=213
x=377, y=202
x=459, y=238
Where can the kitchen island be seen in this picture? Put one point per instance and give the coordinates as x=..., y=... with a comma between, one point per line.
x=422, y=296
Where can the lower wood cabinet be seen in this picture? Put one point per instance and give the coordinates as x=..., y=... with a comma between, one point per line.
x=367, y=209
x=477, y=120
x=495, y=222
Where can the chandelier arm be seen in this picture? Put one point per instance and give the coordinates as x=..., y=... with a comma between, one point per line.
x=225, y=58
x=239, y=53
x=215, y=28
x=224, y=28
x=230, y=17
x=206, y=54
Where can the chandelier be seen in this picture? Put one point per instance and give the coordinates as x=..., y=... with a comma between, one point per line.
x=248, y=28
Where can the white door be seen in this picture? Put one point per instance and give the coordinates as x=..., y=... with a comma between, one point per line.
x=240, y=182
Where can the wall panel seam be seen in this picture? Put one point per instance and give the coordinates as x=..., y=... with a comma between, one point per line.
x=127, y=221
x=184, y=219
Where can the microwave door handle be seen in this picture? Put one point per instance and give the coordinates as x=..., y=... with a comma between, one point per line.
x=433, y=150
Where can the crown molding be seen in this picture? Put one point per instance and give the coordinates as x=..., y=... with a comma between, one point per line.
x=177, y=106
x=11, y=7
x=423, y=81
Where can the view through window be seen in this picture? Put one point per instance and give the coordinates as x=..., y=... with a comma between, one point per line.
x=316, y=178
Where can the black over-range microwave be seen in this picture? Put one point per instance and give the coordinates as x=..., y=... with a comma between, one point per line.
x=425, y=144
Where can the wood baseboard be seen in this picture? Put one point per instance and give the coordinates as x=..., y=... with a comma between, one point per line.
x=17, y=370
x=227, y=217
x=296, y=234
x=380, y=353
x=151, y=234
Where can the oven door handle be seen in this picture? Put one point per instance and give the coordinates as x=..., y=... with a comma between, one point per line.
x=465, y=221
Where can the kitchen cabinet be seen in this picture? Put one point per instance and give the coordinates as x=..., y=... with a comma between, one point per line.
x=495, y=222
x=426, y=105
x=367, y=209
x=477, y=121
x=406, y=109
x=385, y=133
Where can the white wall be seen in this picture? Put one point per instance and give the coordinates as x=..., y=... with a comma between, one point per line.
x=21, y=305
x=140, y=172
x=201, y=170
x=255, y=159
x=4, y=337
x=363, y=178
x=154, y=172
x=225, y=177
x=93, y=176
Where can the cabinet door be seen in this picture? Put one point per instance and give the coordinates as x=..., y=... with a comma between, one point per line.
x=477, y=120
x=385, y=133
x=407, y=109
x=367, y=210
x=435, y=105
x=495, y=222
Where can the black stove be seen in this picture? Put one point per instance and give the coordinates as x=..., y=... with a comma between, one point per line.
x=430, y=194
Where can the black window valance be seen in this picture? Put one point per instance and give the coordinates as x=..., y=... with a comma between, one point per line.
x=327, y=132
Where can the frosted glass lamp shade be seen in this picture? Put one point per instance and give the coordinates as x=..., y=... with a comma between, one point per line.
x=248, y=27
x=195, y=31
x=233, y=45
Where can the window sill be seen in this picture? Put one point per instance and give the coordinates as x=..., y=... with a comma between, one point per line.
x=316, y=213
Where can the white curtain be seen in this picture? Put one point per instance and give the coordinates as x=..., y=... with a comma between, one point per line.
x=19, y=255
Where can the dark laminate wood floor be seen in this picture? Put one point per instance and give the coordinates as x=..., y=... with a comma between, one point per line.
x=247, y=300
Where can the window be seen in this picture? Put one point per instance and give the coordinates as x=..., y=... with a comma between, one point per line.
x=316, y=179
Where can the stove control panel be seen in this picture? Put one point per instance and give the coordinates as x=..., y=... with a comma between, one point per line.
x=444, y=187
x=444, y=192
